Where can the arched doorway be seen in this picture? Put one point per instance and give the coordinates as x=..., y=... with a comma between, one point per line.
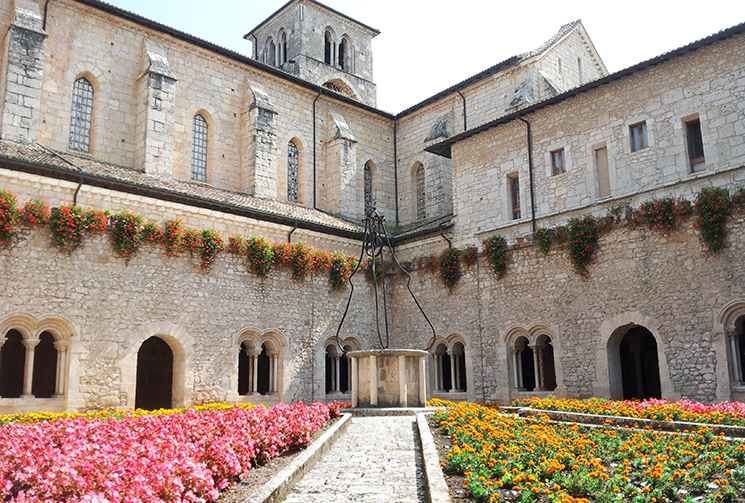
x=12, y=361
x=640, y=370
x=154, y=375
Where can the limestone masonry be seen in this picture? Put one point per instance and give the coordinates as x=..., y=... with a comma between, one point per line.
x=107, y=109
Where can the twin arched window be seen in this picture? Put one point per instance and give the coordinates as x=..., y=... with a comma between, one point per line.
x=44, y=358
x=533, y=364
x=450, y=367
x=259, y=366
x=199, y=149
x=81, y=116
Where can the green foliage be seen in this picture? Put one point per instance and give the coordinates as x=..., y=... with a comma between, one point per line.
x=713, y=206
x=542, y=239
x=340, y=270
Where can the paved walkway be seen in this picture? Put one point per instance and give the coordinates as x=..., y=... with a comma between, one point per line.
x=376, y=460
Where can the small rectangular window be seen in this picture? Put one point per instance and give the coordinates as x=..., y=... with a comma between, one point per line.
x=639, y=136
x=514, y=186
x=558, y=164
x=601, y=166
x=695, y=145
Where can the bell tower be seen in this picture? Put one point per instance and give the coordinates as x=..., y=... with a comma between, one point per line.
x=319, y=44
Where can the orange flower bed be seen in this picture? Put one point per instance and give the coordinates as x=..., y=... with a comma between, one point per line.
x=507, y=458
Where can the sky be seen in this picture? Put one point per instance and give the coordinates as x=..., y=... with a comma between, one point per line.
x=426, y=46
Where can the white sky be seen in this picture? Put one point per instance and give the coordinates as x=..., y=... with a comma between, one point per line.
x=426, y=46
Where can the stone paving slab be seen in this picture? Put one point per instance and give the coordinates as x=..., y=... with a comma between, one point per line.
x=378, y=459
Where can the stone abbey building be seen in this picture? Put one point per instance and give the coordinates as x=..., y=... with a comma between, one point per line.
x=107, y=109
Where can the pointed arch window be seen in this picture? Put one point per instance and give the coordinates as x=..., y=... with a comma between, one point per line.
x=328, y=51
x=368, y=188
x=343, y=54
x=199, y=149
x=283, y=49
x=421, y=200
x=293, y=172
x=81, y=117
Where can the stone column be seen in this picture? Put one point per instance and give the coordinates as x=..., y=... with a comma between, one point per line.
x=517, y=367
x=734, y=342
x=457, y=385
x=259, y=145
x=253, y=371
x=155, y=116
x=61, y=384
x=538, y=354
x=449, y=355
x=28, y=369
x=21, y=80
x=438, y=372
x=402, y=388
x=2, y=341
x=355, y=383
x=337, y=374
x=422, y=381
x=373, y=381
x=274, y=371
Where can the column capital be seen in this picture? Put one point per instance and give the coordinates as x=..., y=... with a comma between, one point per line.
x=272, y=354
x=61, y=346
x=253, y=352
x=516, y=351
x=30, y=344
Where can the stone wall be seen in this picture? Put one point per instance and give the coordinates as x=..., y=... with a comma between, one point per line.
x=664, y=283
x=112, y=307
x=707, y=84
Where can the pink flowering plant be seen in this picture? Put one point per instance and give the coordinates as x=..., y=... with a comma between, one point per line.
x=211, y=244
x=449, y=266
x=152, y=233
x=163, y=457
x=582, y=242
x=9, y=218
x=470, y=255
x=174, y=231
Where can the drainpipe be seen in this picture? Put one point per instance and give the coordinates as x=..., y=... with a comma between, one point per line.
x=320, y=91
x=44, y=23
x=530, y=171
x=289, y=234
x=465, y=120
x=254, y=48
x=68, y=161
x=395, y=165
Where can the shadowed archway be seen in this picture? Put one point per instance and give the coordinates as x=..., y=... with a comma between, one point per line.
x=154, y=375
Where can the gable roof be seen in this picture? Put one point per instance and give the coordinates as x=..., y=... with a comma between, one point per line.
x=443, y=148
x=317, y=4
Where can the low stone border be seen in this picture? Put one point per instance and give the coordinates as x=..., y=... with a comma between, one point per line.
x=434, y=480
x=282, y=483
x=576, y=417
x=389, y=411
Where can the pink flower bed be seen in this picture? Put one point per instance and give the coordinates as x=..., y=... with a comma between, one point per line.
x=187, y=456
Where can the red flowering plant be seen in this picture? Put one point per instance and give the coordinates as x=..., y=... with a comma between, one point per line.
x=173, y=236
x=260, y=255
x=237, y=245
x=96, y=221
x=582, y=242
x=152, y=233
x=713, y=206
x=495, y=250
x=36, y=213
x=542, y=238
x=449, y=262
x=339, y=270
x=662, y=215
x=126, y=234
x=68, y=224
x=9, y=217
x=211, y=244
x=431, y=263
x=191, y=241
x=321, y=260
x=380, y=267
x=300, y=261
x=470, y=255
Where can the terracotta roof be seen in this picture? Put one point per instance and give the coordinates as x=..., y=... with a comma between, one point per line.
x=37, y=160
